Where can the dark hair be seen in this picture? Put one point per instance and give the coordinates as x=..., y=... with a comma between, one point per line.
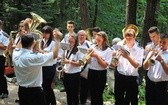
x=153, y=29
x=75, y=49
x=70, y=22
x=27, y=40
x=47, y=29
x=105, y=39
x=163, y=36
x=96, y=29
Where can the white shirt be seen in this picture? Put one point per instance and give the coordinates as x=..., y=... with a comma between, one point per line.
x=86, y=44
x=156, y=72
x=124, y=67
x=66, y=38
x=106, y=55
x=28, y=66
x=48, y=49
x=3, y=40
x=69, y=68
x=150, y=46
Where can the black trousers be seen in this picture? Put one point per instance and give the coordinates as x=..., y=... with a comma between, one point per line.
x=84, y=89
x=31, y=96
x=156, y=92
x=97, y=80
x=71, y=83
x=125, y=90
x=48, y=75
x=3, y=82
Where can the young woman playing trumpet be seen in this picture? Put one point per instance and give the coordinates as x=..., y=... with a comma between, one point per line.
x=99, y=62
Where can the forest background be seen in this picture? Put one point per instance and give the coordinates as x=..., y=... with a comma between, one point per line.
x=110, y=15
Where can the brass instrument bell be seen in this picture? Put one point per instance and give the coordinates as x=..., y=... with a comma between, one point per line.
x=131, y=26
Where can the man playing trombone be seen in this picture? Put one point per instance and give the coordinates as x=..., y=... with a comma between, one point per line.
x=157, y=76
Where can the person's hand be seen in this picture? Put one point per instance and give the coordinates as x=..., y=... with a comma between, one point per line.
x=124, y=53
x=65, y=61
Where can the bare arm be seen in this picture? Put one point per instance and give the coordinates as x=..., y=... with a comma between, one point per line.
x=2, y=46
x=164, y=66
x=56, y=49
x=163, y=63
x=146, y=63
x=100, y=60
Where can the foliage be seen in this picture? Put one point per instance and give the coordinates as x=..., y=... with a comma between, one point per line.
x=110, y=17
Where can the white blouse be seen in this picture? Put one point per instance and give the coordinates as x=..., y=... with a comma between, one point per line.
x=106, y=55
x=124, y=67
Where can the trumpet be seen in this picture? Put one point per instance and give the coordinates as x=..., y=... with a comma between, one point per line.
x=153, y=58
x=118, y=54
x=85, y=58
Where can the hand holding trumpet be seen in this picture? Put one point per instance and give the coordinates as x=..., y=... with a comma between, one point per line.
x=124, y=52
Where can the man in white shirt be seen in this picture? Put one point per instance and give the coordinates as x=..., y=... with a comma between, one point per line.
x=126, y=86
x=157, y=76
x=28, y=70
x=3, y=45
x=83, y=78
x=154, y=35
x=70, y=28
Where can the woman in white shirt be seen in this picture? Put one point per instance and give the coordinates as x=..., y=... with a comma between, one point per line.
x=99, y=62
x=72, y=71
x=47, y=45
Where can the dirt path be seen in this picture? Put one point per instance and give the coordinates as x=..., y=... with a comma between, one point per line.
x=13, y=89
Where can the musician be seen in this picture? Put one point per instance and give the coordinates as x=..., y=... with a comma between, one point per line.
x=57, y=35
x=84, y=88
x=157, y=76
x=99, y=62
x=154, y=35
x=23, y=28
x=3, y=45
x=47, y=45
x=70, y=28
x=72, y=71
x=28, y=70
x=126, y=86
x=95, y=30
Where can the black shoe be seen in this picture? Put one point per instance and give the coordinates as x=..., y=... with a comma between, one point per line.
x=62, y=90
x=4, y=95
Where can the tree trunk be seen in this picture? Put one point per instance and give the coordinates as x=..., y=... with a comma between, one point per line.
x=62, y=9
x=131, y=7
x=150, y=20
x=95, y=14
x=84, y=14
